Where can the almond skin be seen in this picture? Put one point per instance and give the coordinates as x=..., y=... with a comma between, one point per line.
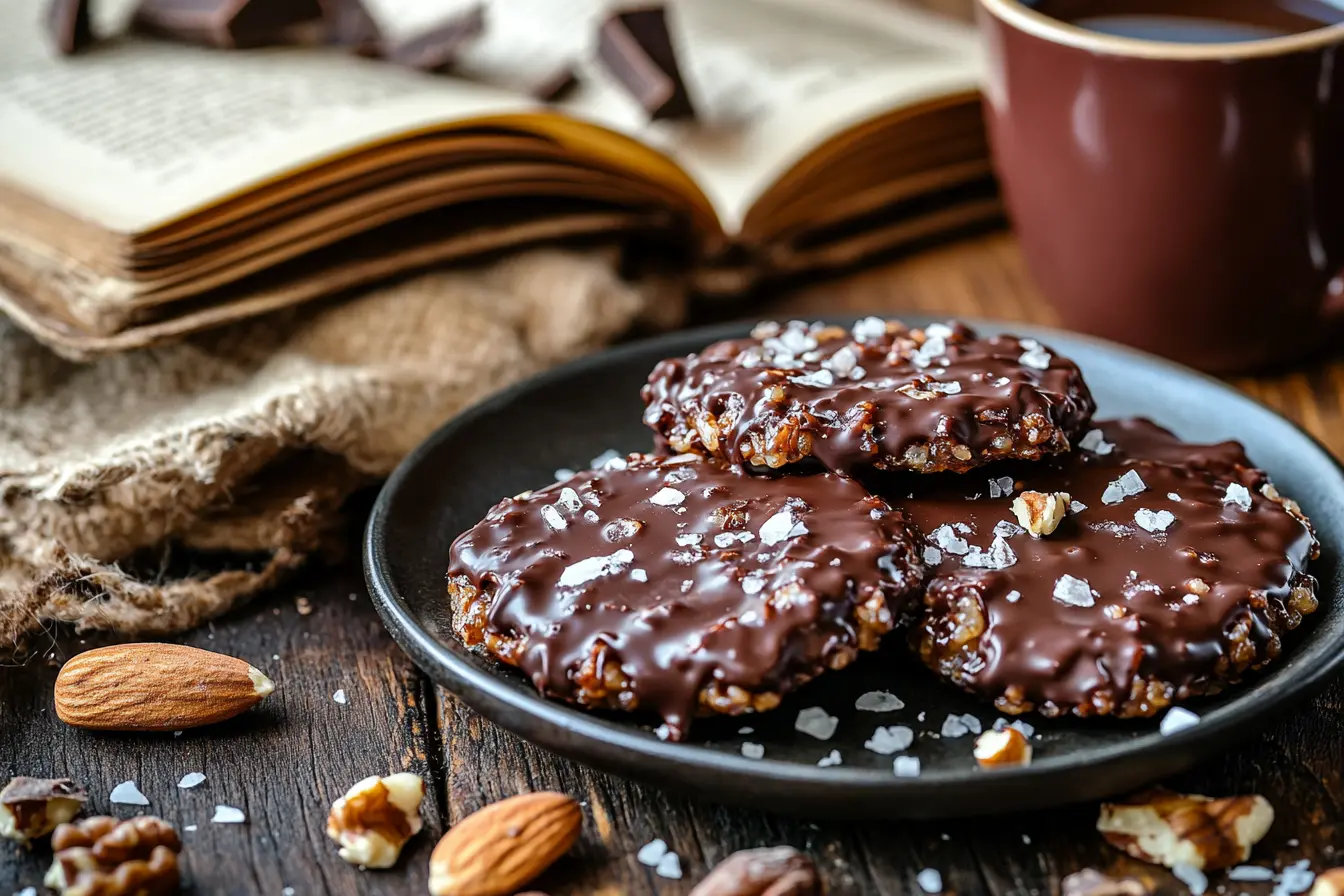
x=498, y=849
x=155, y=687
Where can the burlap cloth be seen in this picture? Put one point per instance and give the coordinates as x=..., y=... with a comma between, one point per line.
x=248, y=440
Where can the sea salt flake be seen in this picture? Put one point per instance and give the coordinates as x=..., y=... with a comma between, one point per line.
x=999, y=556
x=591, y=516
x=890, y=739
x=1017, y=724
x=963, y=528
x=1250, y=873
x=662, y=732
x=1001, y=487
x=639, y=575
x=753, y=582
x=1074, y=591
x=190, y=780
x=780, y=527
x=948, y=540
x=746, y=729
x=26, y=891
x=1154, y=521
x=869, y=328
x=932, y=556
x=553, y=518
x=591, y=568
x=1173, y=496
x=1077, y=507
x=1178, y=718
x=669, y=867
x=1035, y=355
x=906, y=767
x=1128, y=485
x=753, y=751
x=1192, y=877
x=339, y=697
x=1296, y=878
x=608, y=460
x=817, y=722
x=686, y=539
x=954, y=726
x=879, y=701
x=952, y=388
x=1013, y=596
x=929, y=880
x=127, y=794
x=569, y=500
x=667, y=497
x=830, y=759
x=817, y=378
x=843, y=362
x=1005, y=529
x=1095, y=442
x=1239, y=495
x=765, y=329
x=651, y=853
x=563, y=473
x=228, y=815
x=190, y=827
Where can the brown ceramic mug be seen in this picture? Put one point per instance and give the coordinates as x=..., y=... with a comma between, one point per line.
x=1187, y=199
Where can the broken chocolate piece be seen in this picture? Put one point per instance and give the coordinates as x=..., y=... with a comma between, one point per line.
x=636, y=47
x=230, y=23
x=438, y=48
x=69, y=26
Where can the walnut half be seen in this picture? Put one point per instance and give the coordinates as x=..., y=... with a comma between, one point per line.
x=1040, y=513
x=33, y=807
x=104, y=856
x=1171, y=829
x=376, y=817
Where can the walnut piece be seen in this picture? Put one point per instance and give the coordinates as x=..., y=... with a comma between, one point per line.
x=1169, y=829
x=104, y=856
x=1091, y=882
x=1329, y=883
x=774, y=871
x=33, y=807
x=376, y=817
x=1002, y=748
x=1040, y=513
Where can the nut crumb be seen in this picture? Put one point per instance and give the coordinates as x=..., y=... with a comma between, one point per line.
x=34, y=807
x=1041, y=513
x=1002, y=748
x=376, y=817
x=1173, y=829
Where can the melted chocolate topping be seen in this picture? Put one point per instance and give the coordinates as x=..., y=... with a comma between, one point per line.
x=684, y=573
x=880, y=396
x=1178, y=570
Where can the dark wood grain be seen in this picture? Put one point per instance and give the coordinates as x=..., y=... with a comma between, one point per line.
x=287, y=761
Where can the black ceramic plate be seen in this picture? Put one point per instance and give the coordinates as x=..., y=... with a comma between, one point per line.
x=516, y=440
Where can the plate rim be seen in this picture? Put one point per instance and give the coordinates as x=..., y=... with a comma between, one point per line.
x=475, y=686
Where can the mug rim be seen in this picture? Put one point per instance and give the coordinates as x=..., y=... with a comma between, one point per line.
x=1023, y=18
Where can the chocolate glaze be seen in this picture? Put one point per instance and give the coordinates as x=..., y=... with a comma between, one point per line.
x=832, y=393
x=675, y=617
x=1040, y=651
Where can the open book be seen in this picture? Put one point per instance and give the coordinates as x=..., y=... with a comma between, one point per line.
x=149, y=189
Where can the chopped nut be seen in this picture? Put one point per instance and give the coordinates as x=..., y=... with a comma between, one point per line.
x=1004, y=747
x=775, y=871
x=1329, y=883
x=1041, y=513
x=104, y=856
x=1170, y=829
x=33, y=807
x=376, y=817
x=1090, y=882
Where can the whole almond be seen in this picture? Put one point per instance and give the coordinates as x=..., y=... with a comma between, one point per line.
x=496, y=850
x=772, y=871
x=155, y=687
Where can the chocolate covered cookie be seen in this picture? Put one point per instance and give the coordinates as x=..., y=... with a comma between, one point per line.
x=878, y=396
x=682, y=586
x=1135, y=573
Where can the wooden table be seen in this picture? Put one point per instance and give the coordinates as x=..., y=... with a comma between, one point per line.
x=285, y=762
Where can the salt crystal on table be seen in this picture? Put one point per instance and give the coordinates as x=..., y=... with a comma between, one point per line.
x=1178, y=718
x=662, y=732
x=879, y=701
x=892, y=739
x=753, y=751
x=127, y=794
x=830, y=759
x=817, y=722
x=746, y=729
x=228, y=815
x=190, y=779
x=1250, y=873
x=930, y=881
x=669, y=867
x=651, y=853
x=906, y=767
x=339, y=697
x=190, y=827
x=1296, y=878
x=954, y=726
x=1192, y=877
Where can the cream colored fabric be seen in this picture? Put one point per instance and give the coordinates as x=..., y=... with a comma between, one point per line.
x=249, y=439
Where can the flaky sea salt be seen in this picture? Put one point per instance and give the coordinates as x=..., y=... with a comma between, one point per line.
x=1013, y=596
x=608, y=460
x=591, y=568
x=1173, y=496
x=952, y=388
x=1005, y=529
x=906, y=767
x=753, y=582
x=552, y=518
x=780, y=527
x=929, y=880
x=879, y=701
x=563, y=473
x=1074, y=591
x=728, y=539
x=1035, y=355
x=1022, y=727
x=817, y=722
x=190, y=780
x=1178, y=718
x=569, y=500
x=843, y=362
x=817, y=379
x=1001, y=487
x=669, y=867
x=753, y=751
x=228, y=815
x=639, y=575
x=1296, y=878
x=960, y=725
x=651, y=853
x=869, y=328
x=999, y=556
x=662, y=732
x=687, y=539
x=1077, y=507
x=948, y=540
x=127, y=794
x=1095, y=442
x=932, y=556
x=1128, y=485
x=667, y=497
x=339, y=696
x=1250, y=873
x=1154, y=521
x=830, y=759
x=890, y=739
x=1237, y=494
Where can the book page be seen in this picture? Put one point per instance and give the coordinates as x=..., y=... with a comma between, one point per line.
x=138, y=131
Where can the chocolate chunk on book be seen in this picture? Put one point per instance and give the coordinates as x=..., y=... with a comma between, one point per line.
x=151, y=188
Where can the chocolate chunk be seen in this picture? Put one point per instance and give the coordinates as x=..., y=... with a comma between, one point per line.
x=230, y=23
x=69, y=26
x=438, y=48
x=682, y=586
x=1178, y=569
x=880, y=396
x=349, y=24
x=636, y=47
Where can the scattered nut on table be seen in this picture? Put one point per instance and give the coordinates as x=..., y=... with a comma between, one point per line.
x=104, y=856
x=1002, y=748
x=498, y=849
x=773, y=871
x=1091, y=882
x=1170, y=829
x=1040, y=513
x=376, y=817
x=1329, y=883
x=33, y=807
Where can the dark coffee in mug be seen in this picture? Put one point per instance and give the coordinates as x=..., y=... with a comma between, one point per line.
x=1194, y=21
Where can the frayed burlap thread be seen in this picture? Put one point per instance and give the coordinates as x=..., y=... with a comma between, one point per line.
x=248, y=440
